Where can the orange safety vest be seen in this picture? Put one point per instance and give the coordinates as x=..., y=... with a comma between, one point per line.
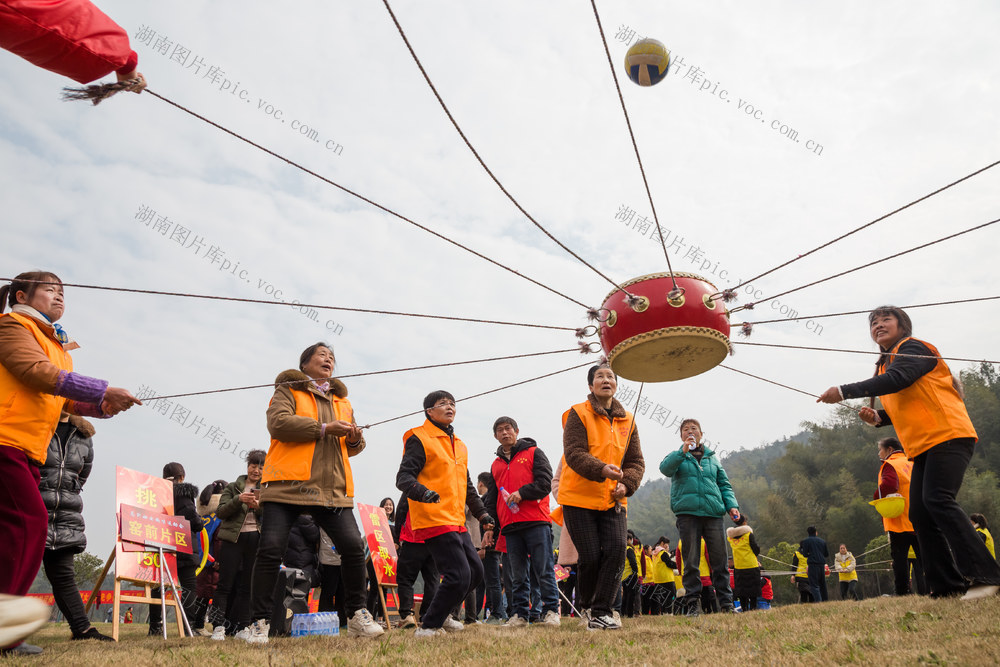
x=903, y=468
x=28, y=417
x=292, y=461
x=608, y=442
x=446, y=470
x=929, y=411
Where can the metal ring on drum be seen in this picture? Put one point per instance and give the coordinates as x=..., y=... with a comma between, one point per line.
x=676, y=332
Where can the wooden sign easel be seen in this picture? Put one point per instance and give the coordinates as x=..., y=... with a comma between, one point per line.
x=138, y=597
x=388, y=597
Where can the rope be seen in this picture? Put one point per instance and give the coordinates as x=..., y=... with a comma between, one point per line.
x=859, y=312
x=834, y=349
x=775, y=560
x=730, y=368
x=864, y=266
x=395, y=370
x=635, y=146
x=869, y=224
x=363, y=198
x=479, y=159
x=297, y=305
x=484, y=393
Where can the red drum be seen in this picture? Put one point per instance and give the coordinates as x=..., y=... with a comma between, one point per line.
x=659, y=338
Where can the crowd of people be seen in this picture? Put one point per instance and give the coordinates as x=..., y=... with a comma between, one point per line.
x=287, y=525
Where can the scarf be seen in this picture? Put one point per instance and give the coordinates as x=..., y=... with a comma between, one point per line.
x=57, y=331
x=325, y=387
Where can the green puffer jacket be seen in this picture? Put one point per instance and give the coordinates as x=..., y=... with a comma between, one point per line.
x=233, y=511
x=699, y=489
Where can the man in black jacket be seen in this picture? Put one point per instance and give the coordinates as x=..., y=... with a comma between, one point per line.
x=816, y=553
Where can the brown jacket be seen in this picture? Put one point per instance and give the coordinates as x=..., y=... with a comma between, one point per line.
x=327, y=483
x=20, y=354
x=576, y=449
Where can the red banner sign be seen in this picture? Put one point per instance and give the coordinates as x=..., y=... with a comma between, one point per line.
x=562, y=574
x=143, y=565
x=378, y=534
x=152, y=529
x=152, y=495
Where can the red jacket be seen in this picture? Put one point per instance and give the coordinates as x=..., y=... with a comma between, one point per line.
x=69, y=37
x=529, y=472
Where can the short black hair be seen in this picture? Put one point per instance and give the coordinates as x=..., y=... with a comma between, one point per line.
x=485, y=478
x=504, y=420
x=811, y=530
x=663, y=540
x=435, y=396
x=173, y=470
x=311, y=350
x=592, y=371
x=891, y=443
x=255, y=457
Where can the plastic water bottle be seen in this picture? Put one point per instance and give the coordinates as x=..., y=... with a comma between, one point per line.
x=297, y=622
x=313, y=630
x=334, y=623
x=514, y=507
x=325, y=624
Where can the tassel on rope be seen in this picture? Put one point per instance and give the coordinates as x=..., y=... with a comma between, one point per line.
x=749, y=306
x=728, y=295
x=584, y=332
x=746, y=329
x=633, y=300
x=99, y=92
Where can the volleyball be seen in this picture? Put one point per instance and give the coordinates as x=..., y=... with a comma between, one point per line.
x=647, y=62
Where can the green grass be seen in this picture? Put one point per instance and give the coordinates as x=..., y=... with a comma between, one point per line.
x=882, y=631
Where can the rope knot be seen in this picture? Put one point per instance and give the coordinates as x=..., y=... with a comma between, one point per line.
x=99, y=92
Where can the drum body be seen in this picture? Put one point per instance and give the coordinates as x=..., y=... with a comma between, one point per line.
x=661, y=339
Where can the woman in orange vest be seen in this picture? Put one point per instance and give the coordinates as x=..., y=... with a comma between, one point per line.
x=37, y=383
x=307, y=470
x=922, y=401
x=434, y=475
x=894, y=477
x=604, y=465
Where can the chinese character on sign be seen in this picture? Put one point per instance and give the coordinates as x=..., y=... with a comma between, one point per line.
x=179, y=539
x=135, y=528
x=374, y=517
x=145, y=497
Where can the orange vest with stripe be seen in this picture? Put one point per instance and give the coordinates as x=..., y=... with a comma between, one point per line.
x=446, y=471
x=929, y=411
x=903, y=468
x=608, y=442
x=292, y=461
x=28, y=417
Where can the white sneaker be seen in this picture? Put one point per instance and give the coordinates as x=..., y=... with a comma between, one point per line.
x=617, y=618
x=408, y=622
x=585, y=617
x=363, y=625
x=243, y=634
x=551, y=618
x=219, y=634
x=19, y=617
x=429, y=632
x=451, y=625
x=257, y=632
x=515, y=621
x=980, y=591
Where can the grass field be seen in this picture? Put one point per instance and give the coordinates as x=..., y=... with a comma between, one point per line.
x=883, y=631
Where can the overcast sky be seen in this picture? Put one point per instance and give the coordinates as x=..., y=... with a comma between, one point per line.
x=814, y=120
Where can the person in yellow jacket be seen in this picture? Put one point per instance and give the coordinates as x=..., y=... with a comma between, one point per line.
x=922, y=400
x=801, y=578
x=846, y=567
x=664, y=591
x=37, y=384
x=631, y=576
x=746, y=567
x=307, y=470
x=648, y=585
x=604, y=466
x=983, y=528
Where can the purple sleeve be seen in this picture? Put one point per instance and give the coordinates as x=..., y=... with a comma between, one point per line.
x=81, y=388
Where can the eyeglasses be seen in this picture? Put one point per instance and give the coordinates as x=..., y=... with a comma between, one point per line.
x=445, y=404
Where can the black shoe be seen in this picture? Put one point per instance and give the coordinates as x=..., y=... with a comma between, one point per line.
x=156, y=631
x=21, y=650
x=93, y=634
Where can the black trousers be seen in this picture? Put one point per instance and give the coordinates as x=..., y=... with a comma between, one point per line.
x=692, y=529
x=331, y=594
x=415, y=560
x=186, y=582
x=817, y=581
x=849, y=589
x=950, y=549
x=899, y=550
x=236, y=561
x=58, y=566
x=461, y=571
x=599, y=536
x=276, y=523
x=630, y=594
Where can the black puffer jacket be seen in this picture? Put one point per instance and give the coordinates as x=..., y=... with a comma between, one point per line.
x=66, y=468
x=303, y=547
x=185, y=496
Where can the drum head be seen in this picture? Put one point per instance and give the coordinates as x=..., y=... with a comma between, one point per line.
x=665, y=355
